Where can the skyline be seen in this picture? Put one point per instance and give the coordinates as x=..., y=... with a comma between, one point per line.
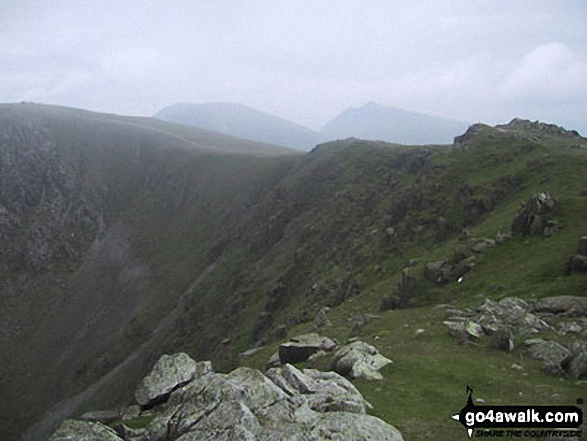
x=472, y=61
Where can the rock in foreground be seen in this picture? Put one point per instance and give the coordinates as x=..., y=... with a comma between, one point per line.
x=287, y=404
x=170, y=372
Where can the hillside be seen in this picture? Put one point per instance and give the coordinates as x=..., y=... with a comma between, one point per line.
x=241, y=121
x=125, y=245
x=383, y=123
x=104, y=221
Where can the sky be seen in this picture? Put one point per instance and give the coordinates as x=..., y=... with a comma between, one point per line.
x=304, y=60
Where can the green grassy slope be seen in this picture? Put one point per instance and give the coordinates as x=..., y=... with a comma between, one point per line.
x=426, y=383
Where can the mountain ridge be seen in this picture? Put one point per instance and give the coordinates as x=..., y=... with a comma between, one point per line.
x=377, y=122
x=242, y=250
x=242, y=121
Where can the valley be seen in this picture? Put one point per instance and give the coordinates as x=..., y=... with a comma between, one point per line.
x=125, y=238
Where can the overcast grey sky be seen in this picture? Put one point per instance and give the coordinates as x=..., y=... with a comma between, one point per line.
x=304, y=60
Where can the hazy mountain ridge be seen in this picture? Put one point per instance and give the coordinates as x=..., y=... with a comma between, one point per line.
x=241, y=121
x=371, y=121
x=184, y=249
x=376, y=122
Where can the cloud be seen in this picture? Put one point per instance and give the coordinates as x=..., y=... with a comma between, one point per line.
x=552, y=71
x=303, y=60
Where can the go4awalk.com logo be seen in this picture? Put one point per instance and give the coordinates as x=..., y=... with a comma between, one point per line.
x=520, y=421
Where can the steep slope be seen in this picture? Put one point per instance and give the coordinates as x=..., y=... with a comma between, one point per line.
x=241, y=121
x=212, y=254
x=104, y=222
x=384, y=123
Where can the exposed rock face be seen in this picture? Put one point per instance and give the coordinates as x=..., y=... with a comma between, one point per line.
x=170, y=372
x=247, y=405
x=302, y=347
x=72, y=430
x=531, y=219
x=359, y=360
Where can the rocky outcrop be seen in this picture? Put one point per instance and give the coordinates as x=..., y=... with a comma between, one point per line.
x=170, y=372
x=300, y=348
x=442, y=272
x=532, y=217
x=244, y=404
x=512, y=316
x=359, y=360
x=553, y=355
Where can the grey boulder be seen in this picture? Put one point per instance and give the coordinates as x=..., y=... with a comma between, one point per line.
x=300, y=348
x=169, y=373
x=359, y=360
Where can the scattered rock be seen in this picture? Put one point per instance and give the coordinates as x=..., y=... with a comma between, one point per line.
x=577, y=264
x=441, y=272
x=246, y=354
x=389, y=302
x=501, y=237
x=479, y=245
x=321, y=321
x=273, y=361
x=572, y=306
x=533, y=341
x=435, y=271
x=552, y=354
x=247, y=405
x=503, y=339
x=359, y=360
x=577, y=366
x=170, y=372
x=456, y=329
x=474, y=329
x=569, y=328
x=461, y=253
x=300, y=348
x=407, y=287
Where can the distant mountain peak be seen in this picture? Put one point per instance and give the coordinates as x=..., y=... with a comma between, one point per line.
x=241, y=121
x=375, y=121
